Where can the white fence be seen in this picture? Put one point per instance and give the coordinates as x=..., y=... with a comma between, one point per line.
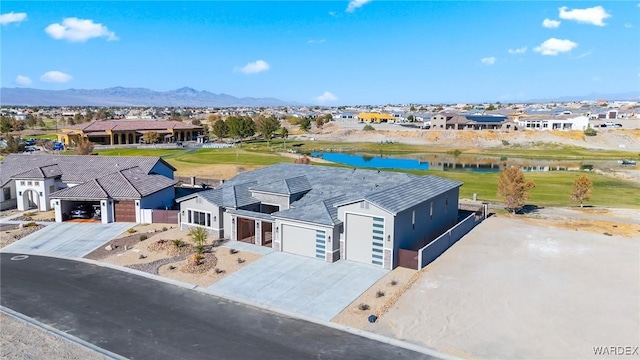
x=217, y=146
x=438, y=246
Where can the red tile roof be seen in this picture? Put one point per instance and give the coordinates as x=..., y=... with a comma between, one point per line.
x=121, y=125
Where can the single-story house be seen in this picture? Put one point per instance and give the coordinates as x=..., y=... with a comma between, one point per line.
x=326, y=213
x=118, y=132
x=118, y=186
x=454, y=121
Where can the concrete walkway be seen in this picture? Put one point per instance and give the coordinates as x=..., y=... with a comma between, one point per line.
x=67, y=239
x=293, y=283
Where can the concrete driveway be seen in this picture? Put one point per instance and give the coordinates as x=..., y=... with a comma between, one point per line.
x=67, y=239
x=293, y=283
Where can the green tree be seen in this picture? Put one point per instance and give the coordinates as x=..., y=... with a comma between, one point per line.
x=410, y=118
x=513, y=186
x=32, y=121
x=220, y=129
x=196, y=122
x=581, y=190
x=241, y=127
x=412, y=108
x=268, y=126
x=5, y=124
x=491, y=107
x=151, y=137
x=305, y=123
x=13, y=145
x=285, y=134
x=319, y=122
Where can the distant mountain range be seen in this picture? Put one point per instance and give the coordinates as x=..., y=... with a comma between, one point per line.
x=630, y=95
x=121, y=96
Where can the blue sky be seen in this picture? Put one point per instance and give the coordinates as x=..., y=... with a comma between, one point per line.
x=327, y=52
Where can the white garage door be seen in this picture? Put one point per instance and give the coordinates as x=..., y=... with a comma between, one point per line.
x=364, y=239
x=302, y=241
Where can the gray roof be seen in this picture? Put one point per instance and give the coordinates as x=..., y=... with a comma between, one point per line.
x=74, y=168
x=324, y=187
x=412, y=193
x=251, y=214
x=125, y=184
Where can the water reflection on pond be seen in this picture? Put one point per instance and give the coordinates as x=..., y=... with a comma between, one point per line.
x=447, y=162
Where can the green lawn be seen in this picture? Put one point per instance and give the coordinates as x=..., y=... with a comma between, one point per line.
x=552, y=188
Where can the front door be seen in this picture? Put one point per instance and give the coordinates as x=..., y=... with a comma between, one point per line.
x=246, y=230
x=267, y=229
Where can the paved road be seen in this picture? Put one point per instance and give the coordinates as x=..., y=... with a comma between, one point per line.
x=140, y=318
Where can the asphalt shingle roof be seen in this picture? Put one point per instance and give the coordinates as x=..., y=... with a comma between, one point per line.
x=326, y=187
x=73, y=168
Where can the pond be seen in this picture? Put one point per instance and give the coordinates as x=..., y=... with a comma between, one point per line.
x=447, y=162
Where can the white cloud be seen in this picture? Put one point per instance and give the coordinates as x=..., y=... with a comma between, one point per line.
x=594, y=15
x=550, y=24
x=355, y=4
x=518, y=51
x=326, y=97
x=488, y=60
x=23, y=80
x=585, y=54
x=55, y=77
x=628, y=26
x=332, y=13
x=79, y=30
x=8, y=18
x=314, y=41
x=254, y=67
x=553, y=46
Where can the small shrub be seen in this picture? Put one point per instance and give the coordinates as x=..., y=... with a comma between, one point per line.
x=219, y=271
x=132, y=231
x=29, y=214
x=171, y=267
x=233, y=251
x=161, y=241
x=505, y=143
x=30, y=224
x=199, y=249
x=394, y=282
x=241, y=260
x=608, y=234
x=363, y=306
x=164, y=228
x=143, y=237
x=379, y=293
x=590, y=132
x=142, y=256
x=197, y=259
x=368, y=128
x=177, y=243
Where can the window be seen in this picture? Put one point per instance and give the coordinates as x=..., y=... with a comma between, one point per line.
x=36, y=183
x=413, y=219
x=22, y=183
x=6, y=193
x=431, y=210
x=29, y=183
x=199, y=218
x=52, y=188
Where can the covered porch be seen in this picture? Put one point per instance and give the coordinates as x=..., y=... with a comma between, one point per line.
x=252, y=227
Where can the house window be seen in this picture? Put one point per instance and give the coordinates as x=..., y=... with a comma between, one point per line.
x=431, y=210
x=21, y=183
x=6, y=193
x=29, y=183
x=52, y=188
x=36, y=183
x=199, y=218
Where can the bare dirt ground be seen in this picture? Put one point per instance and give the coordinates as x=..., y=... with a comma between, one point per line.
x=606, y=139
x=516, y=288
x=20, y=341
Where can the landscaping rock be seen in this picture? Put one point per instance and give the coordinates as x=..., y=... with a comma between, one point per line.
x=108, y=247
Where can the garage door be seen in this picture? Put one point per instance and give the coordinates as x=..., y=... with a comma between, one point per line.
x=125, y=211
x=364, y=239
x=303, y=241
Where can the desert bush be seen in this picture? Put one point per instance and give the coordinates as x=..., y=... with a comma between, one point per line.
x=379, y=293
x=197, y=259
x=132, y=231
x=199, y=236
x=177, y=243
x=161, y=241
x=218, y=271
x=505, y=143
x=368, y=128
x=590, y=132
x=363, y=306
x=394, y=282
x=233, y=251
x=143, y=237
x=164, y=228
x=29, y=214
x=241, y=260
x=30, y=224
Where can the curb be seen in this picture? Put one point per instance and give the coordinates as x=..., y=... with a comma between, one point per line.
x=61, y=334
x=355, y=331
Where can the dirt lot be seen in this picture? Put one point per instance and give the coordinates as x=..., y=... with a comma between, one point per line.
x=517, y=289
x=351, y=131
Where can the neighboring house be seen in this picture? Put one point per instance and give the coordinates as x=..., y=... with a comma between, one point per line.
x=118, y=132
x=325, y=212
x=119, y=186
x=454, y=121
x=376, y=117
x=565, y=122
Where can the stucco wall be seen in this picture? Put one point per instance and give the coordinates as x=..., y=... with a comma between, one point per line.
x=272, y=199
x=162, y=169
x=159, y=200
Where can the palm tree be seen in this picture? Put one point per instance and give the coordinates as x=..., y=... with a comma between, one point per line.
x=199, y=236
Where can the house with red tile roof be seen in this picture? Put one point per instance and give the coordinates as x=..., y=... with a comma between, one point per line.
x=119, y=132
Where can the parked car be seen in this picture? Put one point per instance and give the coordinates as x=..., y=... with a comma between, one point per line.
x=58, y=146
x=30, y=142
x=30, y=148
x=82, y=211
